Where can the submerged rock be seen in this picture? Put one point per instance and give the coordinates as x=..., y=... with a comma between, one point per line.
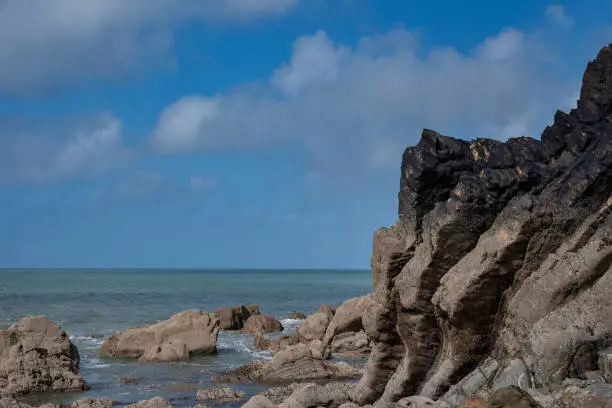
x=179, y=338
x=36, y=355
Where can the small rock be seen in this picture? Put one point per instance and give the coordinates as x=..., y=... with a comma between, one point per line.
x=220, y=394
x=128, y=380
x=156, y=402
x=297, y=315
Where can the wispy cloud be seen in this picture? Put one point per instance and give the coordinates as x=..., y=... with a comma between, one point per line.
x=85, y=148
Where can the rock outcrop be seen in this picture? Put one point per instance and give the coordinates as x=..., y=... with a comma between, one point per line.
x=301, y=362
x=36, y=355
x=220, y=395
x=181, y=337
x=499, y=270
x=262, y=324
x=233, y=318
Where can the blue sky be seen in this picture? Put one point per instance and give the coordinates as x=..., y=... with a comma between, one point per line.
x=263, y=134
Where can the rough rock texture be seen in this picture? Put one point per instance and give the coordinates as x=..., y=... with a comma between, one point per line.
x=220, y=394
x=233, y=318
x=262, y=324
x=295, y=363
x=261, y=343
x=499, y=270
x=156, y=402
x=36, y=355
x=179, y=338
x=351, y=344
x=94, y=403
x=314, y=327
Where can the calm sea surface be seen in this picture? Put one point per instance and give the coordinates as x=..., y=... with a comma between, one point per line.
x=91, y=305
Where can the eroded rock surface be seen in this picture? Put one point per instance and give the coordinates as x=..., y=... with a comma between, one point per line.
x=499, y=270
x=36, y=355
x=179, y=338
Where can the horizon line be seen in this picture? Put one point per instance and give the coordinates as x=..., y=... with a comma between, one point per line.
x=163, y=268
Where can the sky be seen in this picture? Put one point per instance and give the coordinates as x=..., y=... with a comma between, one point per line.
x=255, y=133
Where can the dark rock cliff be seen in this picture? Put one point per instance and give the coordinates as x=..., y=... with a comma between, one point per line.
x=499, y=270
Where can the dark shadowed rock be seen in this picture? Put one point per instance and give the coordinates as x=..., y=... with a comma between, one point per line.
x=233, y=318
x=36, y=355
x=179, y=338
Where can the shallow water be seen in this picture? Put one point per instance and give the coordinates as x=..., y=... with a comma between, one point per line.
x=91, y=305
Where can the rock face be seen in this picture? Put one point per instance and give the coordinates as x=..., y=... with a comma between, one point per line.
x=499, y=270
x=301, y=362
x=36, y=355
x=179, y=338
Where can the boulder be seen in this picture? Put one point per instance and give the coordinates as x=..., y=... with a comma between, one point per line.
x=220, y=394
x=348, y=318
x=314, y=327
x=331, y=395
x=498, y=272
x=36, y=355
x=181, y=337
x=232, y=318
x=295, y=363
x=262, y=324
x=253, y=309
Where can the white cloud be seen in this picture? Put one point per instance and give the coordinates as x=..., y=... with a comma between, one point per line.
x=86, y=148
x=46, y=43
x=556, y=14
x=354, y=109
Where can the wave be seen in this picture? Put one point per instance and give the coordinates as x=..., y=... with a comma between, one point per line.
x=291, y=324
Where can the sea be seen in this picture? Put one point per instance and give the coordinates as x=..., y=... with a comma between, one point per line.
x=91, y=305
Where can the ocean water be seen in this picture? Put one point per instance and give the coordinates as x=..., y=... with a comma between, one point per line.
x=93, y=304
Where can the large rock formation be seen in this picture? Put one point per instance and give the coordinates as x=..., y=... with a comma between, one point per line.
x=499, y=270
x=184, y=335
x=36, y=355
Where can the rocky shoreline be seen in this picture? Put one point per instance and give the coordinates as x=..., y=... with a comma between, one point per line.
x=494, y=289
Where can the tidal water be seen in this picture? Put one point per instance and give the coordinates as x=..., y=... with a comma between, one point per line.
x=93, y=304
